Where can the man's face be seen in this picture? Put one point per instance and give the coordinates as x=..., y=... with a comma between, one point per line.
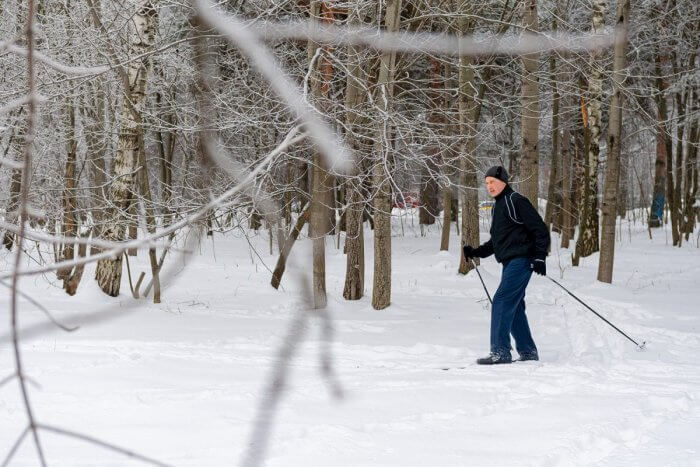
x=494, y=186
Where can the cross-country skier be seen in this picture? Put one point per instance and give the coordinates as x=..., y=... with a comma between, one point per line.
x=520, y=241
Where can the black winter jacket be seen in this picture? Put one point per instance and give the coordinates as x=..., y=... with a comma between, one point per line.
x=517, y=230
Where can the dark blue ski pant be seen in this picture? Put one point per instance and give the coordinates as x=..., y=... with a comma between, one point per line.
x=508, y=310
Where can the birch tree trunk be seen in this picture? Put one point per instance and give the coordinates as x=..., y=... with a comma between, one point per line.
x=141, y=37
x=530, y=119
x=612, y=169
x=381, y=289
x=588, y=241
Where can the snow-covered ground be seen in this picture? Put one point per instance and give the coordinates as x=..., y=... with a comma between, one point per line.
x=181, y=381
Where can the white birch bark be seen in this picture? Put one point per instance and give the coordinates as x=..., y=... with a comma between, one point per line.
x=141, y=38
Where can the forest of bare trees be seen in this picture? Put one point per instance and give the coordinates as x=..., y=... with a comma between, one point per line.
x=119, y=147
x=127, y=127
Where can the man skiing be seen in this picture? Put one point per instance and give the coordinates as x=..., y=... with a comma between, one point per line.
x=520, y=241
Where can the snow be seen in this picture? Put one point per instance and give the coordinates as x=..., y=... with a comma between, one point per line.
x=181, y=381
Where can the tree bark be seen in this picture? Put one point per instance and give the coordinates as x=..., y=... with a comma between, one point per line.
x=70, y=226
x=612, y=170
x=354, y=239
x=381, y=289
x=321, y=182
x=468, y=110
x=691, y=174
x=530, y=118
x=287, y=249
x=588, y=242
x=553, y=193
x=142, y=32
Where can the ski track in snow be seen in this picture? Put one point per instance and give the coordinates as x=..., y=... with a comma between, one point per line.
x=180, y=381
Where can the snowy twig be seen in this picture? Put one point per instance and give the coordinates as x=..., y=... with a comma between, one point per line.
x=109, y=313
x=15, y=446
x=325, y=354
x=13, y=104
x=60, y=67
x=262, y=427
x=104, y=444
x=23, y=217
x=332, y=148
x=7, y=379
x=255, y=454
x=96, y=242
x=292, y=138
x=42, y=308
x=434, y=43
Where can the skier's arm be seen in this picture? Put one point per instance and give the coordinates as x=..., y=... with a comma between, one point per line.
x=485, y=250
x=479, y=252
x=534, y=224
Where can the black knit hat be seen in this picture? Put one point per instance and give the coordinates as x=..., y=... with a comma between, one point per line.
x=497, y=172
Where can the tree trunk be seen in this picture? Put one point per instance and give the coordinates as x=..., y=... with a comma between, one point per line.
x=554, y=169
x=467, y=127
x=691, y=173
x=578, y=205
x=663, y=190
x=567, y=219
x=142, y=31
x=145, y=189
x=354, y=288
x=450, y=211
x=70, y=284
x=287, y=249
x=446, y=218
x=588, y=242
x=70, y=227
x=381, y=289
x=612, y=170
x=96, y=142
x=530, y=119
x=681, y=100
x=322, y=183
x=11, y=211
x=12, y=208
x=428, y=210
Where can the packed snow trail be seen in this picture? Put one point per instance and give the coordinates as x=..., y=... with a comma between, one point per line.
x=180, y=381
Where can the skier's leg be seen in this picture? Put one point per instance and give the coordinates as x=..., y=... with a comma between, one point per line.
x=510, y=293
x=521, y=332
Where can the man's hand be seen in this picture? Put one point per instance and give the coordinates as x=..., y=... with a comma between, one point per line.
x=469, y=252
x=539, y=266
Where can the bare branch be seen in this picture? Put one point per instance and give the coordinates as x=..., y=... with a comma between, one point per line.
x=104, y=444
x=42, y=308
x=15, y=447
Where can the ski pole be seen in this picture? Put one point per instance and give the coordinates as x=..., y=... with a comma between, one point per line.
x=482, y=280
x=641, y=347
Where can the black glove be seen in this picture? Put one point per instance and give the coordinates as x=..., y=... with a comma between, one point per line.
x=539, y=266
x=469, y=252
